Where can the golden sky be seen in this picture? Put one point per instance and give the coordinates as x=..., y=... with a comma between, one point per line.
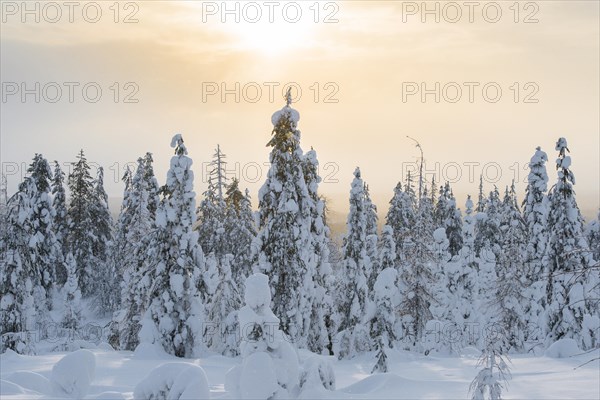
x=356, y=63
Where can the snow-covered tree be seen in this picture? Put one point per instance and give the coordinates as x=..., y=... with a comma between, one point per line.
x=71, y=317
x=401, y=217
x=17, y=309
x=372, y=238
x=447, y=216
x=283, y=246
x=593, y=237
x=494, y=373
x=175, y=263
x=220, y=334
x=104, y=272
x=511, y=272
x=572, y=310
x=383, y=321
x=323, y=324
x=353, y=290
x=60, y=221
x=240, y=230
x=535, y=214
x=270, y=366
x=46, y=253
x=81, y=239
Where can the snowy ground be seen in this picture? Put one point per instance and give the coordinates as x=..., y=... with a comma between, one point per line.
x=411, y=376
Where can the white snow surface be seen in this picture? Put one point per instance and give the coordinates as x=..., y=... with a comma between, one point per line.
x=73, y=374
x=410, y=376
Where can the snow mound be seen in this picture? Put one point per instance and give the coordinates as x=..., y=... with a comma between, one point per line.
x=108, y=396
x=73, y=374
x=173, y=381
x=105, y=346
x=149, y=351
x=30, y=380
x=563, y=348
x=316, y=378
x=10, y=389
x=258, y=293
x=387, y=383
x=258, y=379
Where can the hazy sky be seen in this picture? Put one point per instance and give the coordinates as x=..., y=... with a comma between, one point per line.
x=361, y=68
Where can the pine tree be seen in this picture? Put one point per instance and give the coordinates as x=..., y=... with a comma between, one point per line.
x=372, y=238
x=283, y=246
x=510, y=271
x=240, y=230
x=593, y=237
x=18, y=312
x=221, y=330
x=571, y=308
x=464, y=311
x=401, y=217
x=322, y=323
x=535, y=215
x=448, y=217
x=492, y=378
x=383, y=322
x=46, y=254
x=61, y=220
x=136, y=221
x=175, y=263
x=353, y=291
x=104, y=272
x=211, y=212
x=81, y=239
x=72, y=297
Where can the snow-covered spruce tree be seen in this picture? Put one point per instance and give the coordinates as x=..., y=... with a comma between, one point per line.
x=487, y=227
x=81, y=239
x=494, y=374
x=104, y=272
x=71, y=317
x=353, y=296
x=17, y=309
x=323, y=325
x=535, y=215
x=387, y=251
x=136, y=221
x=221, y=328
x=270, y=365
x=417, y=281
x=593, y=238
x=211, y=212
x=60, y=221
x=511, y=272
x=3, y=206
x=372, y=238
x=463, y=312
x=447, y=216
x=401, y=217
x=174, y=263
x=383, y=320
x=283, y=246
x=572, y=310
x=240, y=229
x=46, y=254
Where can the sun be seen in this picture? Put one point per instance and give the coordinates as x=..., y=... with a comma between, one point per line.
x=271, y=38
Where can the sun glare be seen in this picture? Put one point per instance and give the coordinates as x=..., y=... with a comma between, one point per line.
x=271, y=38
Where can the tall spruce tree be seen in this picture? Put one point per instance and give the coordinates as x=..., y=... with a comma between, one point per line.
x=17, y=274
x=175, y=264
x=572, y=307
x=283, y=246
x=61, y=218
x=135, y=228
x=81, y=239
x=353, y=290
